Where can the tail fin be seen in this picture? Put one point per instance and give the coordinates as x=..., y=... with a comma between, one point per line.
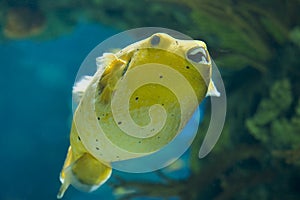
x=86, y=173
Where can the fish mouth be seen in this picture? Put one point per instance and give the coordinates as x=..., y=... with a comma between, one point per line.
x=198, y=55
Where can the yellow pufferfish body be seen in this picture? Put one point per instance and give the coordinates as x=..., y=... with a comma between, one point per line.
x=97, y=136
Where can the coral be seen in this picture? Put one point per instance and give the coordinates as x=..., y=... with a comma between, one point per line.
x=23, y=22
x=61, y=17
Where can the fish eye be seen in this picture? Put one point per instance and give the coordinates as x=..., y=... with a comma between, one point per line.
x=197, y=55
x=155, y=40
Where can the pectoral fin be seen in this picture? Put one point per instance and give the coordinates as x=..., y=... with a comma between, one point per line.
x=212, y=90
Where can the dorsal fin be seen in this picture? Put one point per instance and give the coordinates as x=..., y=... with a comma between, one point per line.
x=80, y=87
x=105, y=60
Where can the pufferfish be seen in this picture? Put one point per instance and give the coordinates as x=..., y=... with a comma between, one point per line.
x=139, y=100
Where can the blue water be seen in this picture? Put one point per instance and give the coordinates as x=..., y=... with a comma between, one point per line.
x=35, y=104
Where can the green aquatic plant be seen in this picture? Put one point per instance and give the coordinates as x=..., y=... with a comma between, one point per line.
x=295, y=35
x=260, y=140
x=211, y=182
x=243, y=33
x=276, y=123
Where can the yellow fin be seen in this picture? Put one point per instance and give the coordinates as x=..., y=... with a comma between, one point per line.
x=89, y=173
x=63, y=175
x=212, y=90
x=105, y=60
x=86, y=174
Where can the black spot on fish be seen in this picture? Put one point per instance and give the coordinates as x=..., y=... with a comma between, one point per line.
x=187, y=67
x=79, y=138
x=96, y=140
x=160, y=76
x=98, y=118
x=97, y=148
x=119, y=123
x=136, y=98
x=140, y=142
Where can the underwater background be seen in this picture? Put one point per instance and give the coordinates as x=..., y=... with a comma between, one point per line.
x=256, y=46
